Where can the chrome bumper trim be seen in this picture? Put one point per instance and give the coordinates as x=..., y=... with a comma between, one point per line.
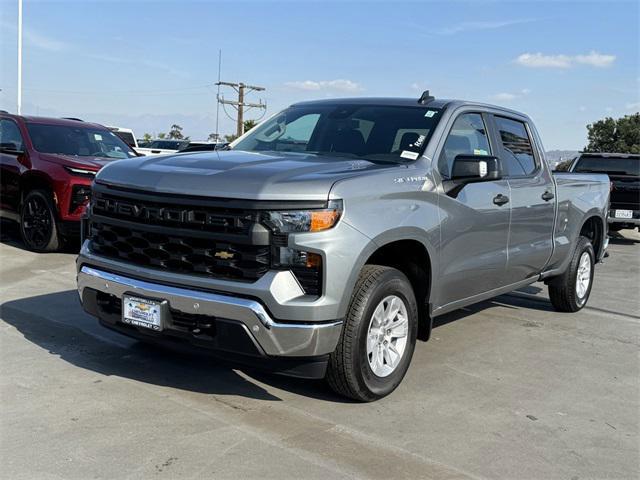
x=275, y=338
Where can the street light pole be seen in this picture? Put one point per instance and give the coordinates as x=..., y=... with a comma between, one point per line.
x=19, y=57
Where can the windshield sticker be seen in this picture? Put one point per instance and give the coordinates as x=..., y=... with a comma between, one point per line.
x=418, y=143
x=97, y=136
x=409, y=155
x=430, y=113
x=479, y=151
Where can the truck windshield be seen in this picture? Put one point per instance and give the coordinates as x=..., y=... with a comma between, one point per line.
x=78, y=141
x=386, y=133
x=610, y=165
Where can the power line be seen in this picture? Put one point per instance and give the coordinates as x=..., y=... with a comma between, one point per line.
x=242, y=89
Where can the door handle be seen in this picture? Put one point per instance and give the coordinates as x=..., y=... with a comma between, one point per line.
x=500, y=199
x=546, y=196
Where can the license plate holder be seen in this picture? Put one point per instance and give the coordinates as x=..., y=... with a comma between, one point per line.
x=143, y=312
x=623, y=214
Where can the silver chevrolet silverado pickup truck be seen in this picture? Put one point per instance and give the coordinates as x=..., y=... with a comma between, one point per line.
x=325, y=240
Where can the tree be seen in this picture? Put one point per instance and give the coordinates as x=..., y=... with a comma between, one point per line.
x=147, y=137
x=175, y=133
x=249, y=124
x=611, y=135
x=162, y=135
x=213, y=137
x=246, y=125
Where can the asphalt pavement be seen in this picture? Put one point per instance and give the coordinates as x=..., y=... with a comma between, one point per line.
x=506, y=389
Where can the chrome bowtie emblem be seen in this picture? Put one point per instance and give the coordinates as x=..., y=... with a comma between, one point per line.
x=224, y=255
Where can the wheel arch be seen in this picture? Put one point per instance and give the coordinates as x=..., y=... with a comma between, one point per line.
x=33, y=180
x=595, y=229
x=410, y=253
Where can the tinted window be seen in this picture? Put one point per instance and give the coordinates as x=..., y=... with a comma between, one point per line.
x=10, y=136
x=77, y=141
x=468, y=136
x=169, y=144
x=517, y=158
x=372, y=132
x=610, y=165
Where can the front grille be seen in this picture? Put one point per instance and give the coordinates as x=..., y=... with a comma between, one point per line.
x=180, y=254
x=179, y=237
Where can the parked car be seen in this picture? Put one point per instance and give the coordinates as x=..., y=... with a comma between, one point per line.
x=624, y=172
x=162, y=146
x=48, y=165
x=127, y=135
x=325, y=241
x=204, y=147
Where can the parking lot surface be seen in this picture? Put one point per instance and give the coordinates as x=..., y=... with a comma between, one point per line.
x=506, y=389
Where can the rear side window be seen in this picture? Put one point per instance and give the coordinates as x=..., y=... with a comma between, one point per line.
x=10, y=136
x=468, y=136
x=517, y=152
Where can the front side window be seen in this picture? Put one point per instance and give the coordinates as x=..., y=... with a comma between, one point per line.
x=517, y=158
x=77, y=141
x=10, y=136
x=468, y=136
x=385, y=133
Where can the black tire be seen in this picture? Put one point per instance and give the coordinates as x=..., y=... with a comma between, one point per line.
x=563, y=290
x=38, y=222
x=349, y=373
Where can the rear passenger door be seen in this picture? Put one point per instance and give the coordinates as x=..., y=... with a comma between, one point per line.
x=532, y=198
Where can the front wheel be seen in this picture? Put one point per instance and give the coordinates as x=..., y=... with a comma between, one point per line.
x=571, y=290
x=38, y=224
x=378, y=337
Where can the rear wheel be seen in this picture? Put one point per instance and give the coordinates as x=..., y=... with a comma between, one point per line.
x=378, y=338
x=38, y=225
x=571, y=290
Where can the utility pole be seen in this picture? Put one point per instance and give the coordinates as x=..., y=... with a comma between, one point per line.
x=19, y=57
x=242, y=90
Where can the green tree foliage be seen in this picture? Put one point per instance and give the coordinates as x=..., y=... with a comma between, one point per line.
x=175, y=133
x=247, y=125
x=611, y=135
x=147, y=137
x=162, y=135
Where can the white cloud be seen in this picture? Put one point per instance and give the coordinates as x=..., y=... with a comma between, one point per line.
x=540, y=60
x=509, y=96
x=474, y=26
x=595, y=59
x=338, y=85
x=43, y=42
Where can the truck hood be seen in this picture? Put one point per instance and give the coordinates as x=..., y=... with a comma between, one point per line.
x=245, y=175
x=91, y=163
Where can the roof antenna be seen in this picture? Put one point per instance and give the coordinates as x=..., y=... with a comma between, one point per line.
x=425, y=97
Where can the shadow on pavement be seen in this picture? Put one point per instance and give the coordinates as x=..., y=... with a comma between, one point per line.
x=57, y=323
x=619, y=238
x=10, y=235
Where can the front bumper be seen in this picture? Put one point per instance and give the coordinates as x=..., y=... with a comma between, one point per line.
x=270, y=337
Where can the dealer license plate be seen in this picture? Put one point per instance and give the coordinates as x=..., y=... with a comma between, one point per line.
x=624, y=213
x=142, y=312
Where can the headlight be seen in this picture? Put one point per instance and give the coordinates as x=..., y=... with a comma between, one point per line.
x=83, y=172
x=305, y=220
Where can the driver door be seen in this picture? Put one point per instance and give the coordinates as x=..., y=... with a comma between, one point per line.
x=474, y=223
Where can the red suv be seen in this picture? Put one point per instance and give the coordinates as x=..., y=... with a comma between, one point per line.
x=48, y=165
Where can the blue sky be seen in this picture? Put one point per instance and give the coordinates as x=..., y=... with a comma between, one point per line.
x=146, y=65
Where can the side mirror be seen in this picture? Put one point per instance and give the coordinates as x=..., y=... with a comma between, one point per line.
x=475, y=168
x=10, y=148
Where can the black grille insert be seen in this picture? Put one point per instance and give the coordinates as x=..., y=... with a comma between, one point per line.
x=180, y=254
